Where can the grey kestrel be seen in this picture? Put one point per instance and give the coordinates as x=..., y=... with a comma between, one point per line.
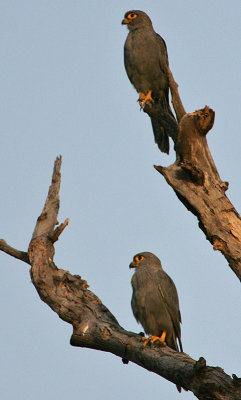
x=155, y=301
x=146, y=60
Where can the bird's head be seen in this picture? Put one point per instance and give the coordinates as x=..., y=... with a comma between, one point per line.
x=136, y=19
x=145, y=259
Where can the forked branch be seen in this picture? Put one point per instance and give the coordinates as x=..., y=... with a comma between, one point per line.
x=94, y=326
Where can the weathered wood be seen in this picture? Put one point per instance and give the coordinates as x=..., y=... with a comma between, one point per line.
x=197, y=184
x=94, y=326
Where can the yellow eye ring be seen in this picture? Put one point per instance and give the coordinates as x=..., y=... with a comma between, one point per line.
x=138, y=258
x=131, y=16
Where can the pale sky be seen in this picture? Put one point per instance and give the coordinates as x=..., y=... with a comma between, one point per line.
x=64, y=90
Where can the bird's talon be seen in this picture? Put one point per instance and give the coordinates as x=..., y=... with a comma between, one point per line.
x=145, y=340
x=143, y=98
x=152, y=339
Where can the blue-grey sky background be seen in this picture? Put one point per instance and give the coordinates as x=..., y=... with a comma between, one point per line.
x=64, y=91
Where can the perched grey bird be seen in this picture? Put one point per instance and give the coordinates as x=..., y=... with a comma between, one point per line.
x=146, y=59
x=155, y=300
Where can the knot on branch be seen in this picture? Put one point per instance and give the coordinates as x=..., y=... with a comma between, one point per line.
x=71, y=282
x=42, y=216
x=219, y=244
x=200, y=366
x=196, y=175
x=236, y=381
x=204, y=119
x=224, y=186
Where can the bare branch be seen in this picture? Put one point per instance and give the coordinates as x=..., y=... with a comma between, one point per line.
x=176, y=100
x=57, y=232
x=197, y=184
x=20, y=255
x=94, y=326
x=48, y=218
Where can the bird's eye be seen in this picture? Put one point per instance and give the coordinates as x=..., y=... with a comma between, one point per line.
x=138, y=258
x=132, y=16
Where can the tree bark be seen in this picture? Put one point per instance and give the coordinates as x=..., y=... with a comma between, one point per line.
x=197, y=184
x=93, y=324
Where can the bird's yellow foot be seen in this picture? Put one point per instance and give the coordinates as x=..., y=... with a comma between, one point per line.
x=152, y=339
x=143, y=98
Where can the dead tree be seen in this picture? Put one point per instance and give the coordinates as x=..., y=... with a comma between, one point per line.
x=196, y=182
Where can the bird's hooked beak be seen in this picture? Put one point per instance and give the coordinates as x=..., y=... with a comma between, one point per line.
x=136, y=261
x=125, y=21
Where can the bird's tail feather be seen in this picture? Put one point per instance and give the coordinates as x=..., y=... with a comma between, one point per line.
x=164, y=124
x=172, y=342
x=161, y=137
